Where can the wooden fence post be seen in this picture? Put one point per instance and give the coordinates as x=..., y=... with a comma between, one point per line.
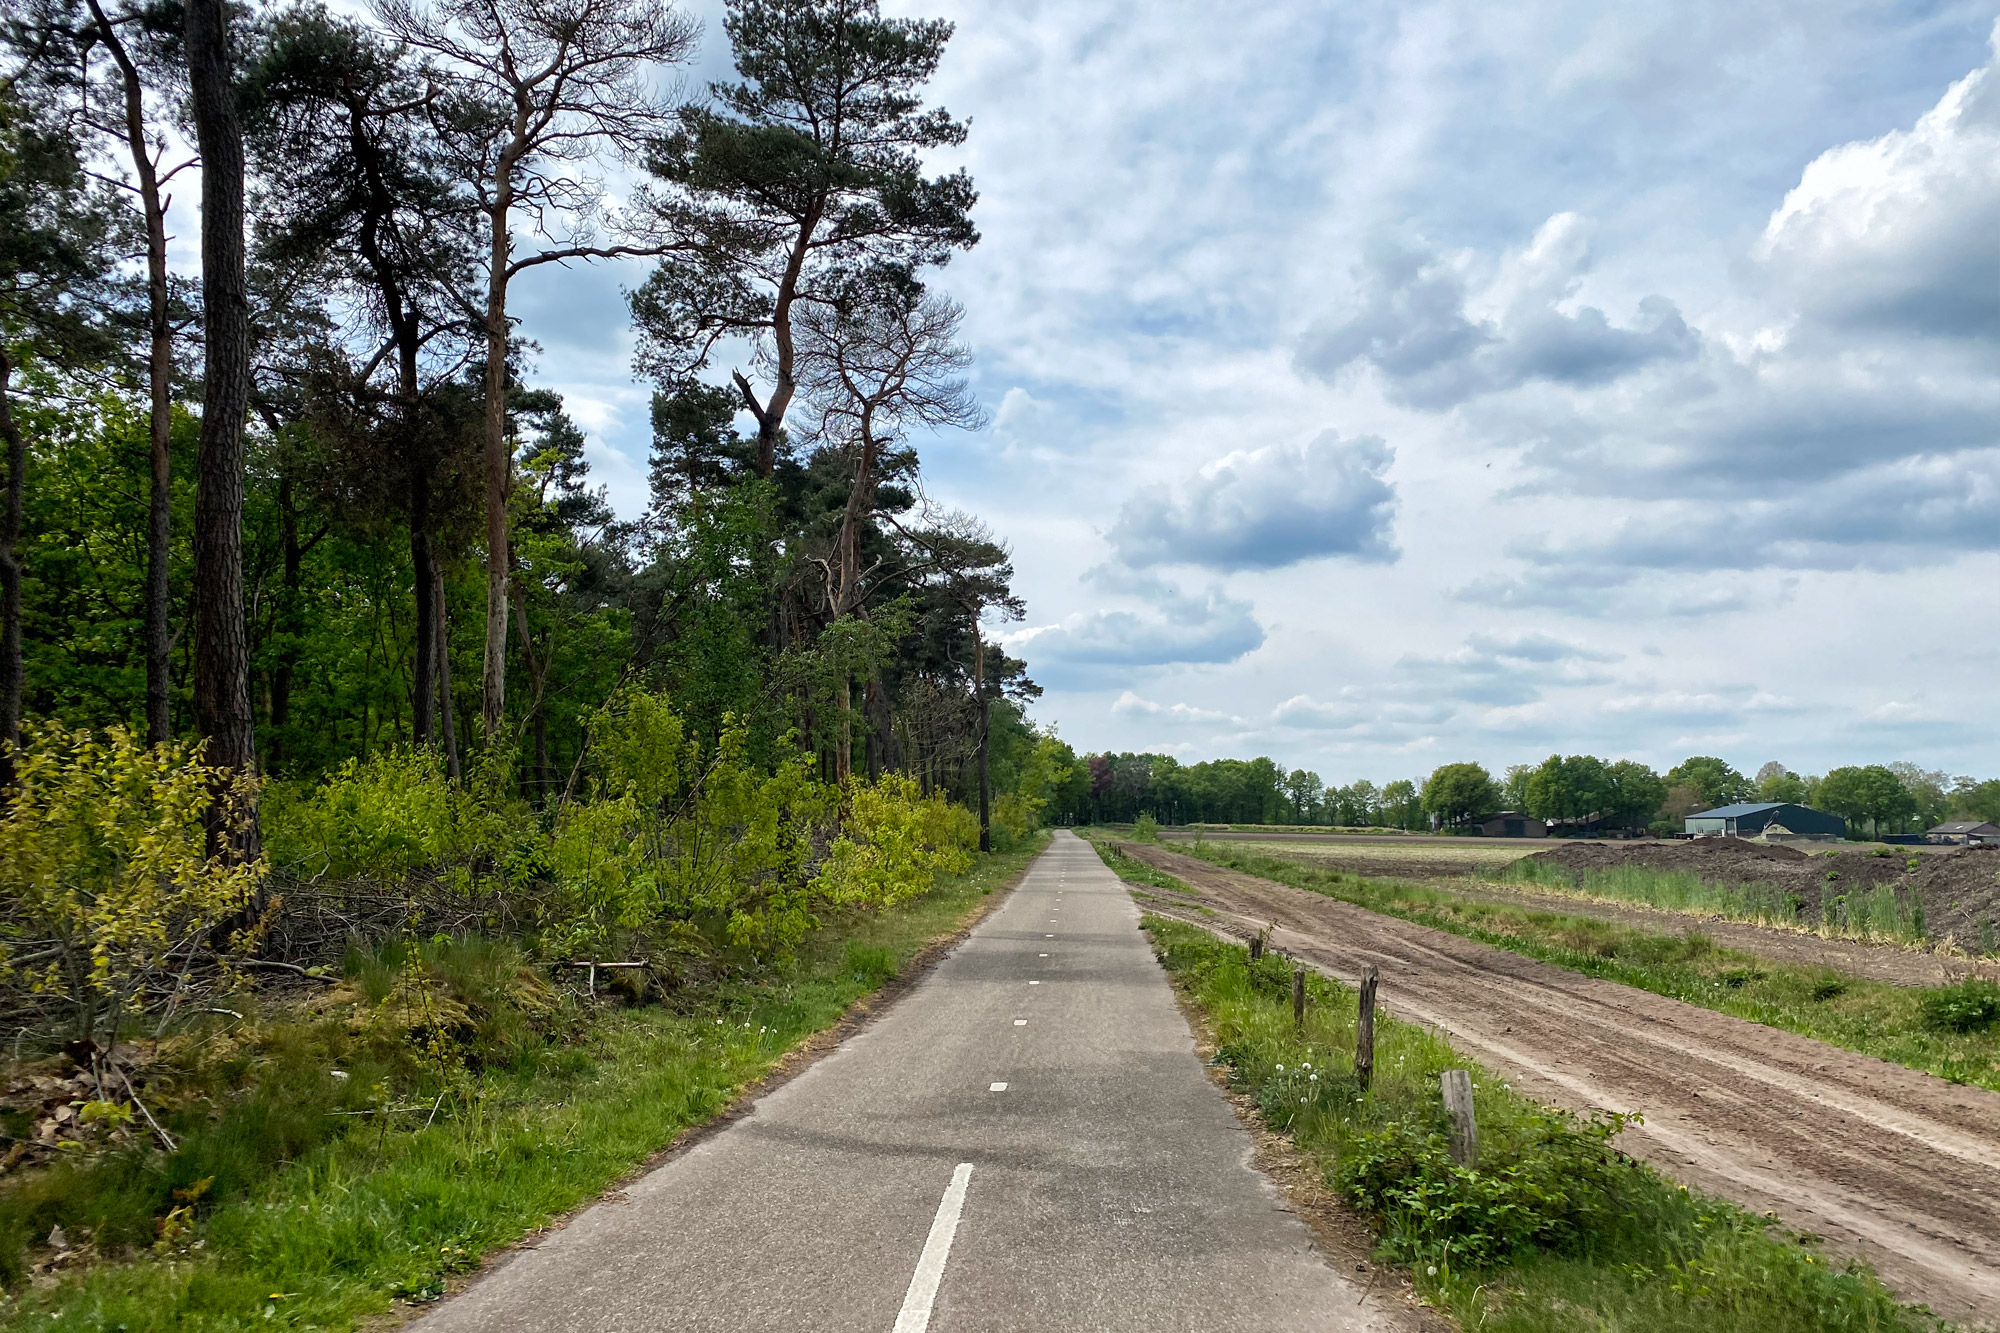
x=1256, y=947
x=1299, y=998
x=1364, y=1032
x=1457, y=1087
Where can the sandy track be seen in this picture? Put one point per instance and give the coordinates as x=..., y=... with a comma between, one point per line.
x=1897, y=1167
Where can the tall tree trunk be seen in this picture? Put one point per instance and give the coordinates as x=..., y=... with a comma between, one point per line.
x=985, y=719
x=160, y=388
x=538, y=669
x=847, y=580
x=423, y=694
x=843, y=751
x=493, y=697
x=289, y=623
x=447, y=711
x=883, y=754
x=10, y=575
x=222, y=645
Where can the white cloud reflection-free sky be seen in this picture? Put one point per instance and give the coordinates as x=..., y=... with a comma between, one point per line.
x=1377, y=385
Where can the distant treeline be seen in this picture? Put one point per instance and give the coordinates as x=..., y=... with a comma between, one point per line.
x=1573, y=790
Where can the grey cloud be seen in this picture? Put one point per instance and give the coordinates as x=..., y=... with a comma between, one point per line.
x=1713, y=706
x=1535, y=648
x=1177, y=627
x=1578, y=589
x=1907, y=512
x=1412, y=325
x=1361, y=715
x=1858, y=429
x=1506, y=674
x=1267, y=508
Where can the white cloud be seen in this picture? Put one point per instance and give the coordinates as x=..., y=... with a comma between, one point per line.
x=1266, y=508
x=1129, y=704
x=1899, y=230
x=1171, y=627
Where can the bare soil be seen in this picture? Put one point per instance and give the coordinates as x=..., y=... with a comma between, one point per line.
x=1960, y=889
x=1886, y=1164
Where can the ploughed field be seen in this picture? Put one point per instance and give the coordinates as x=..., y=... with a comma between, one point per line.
x=1895, y=1166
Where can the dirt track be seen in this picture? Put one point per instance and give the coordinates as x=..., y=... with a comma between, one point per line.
x=1886, y=1163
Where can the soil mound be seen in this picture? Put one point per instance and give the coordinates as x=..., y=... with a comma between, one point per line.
x=1710, y=858
x=1959, y=890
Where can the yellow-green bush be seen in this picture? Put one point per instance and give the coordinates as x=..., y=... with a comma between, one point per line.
x=894, y=844
x=677, y=836
x=396, y=814
x=103, y=849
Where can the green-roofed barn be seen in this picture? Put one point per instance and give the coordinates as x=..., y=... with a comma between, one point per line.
x=1750, y=820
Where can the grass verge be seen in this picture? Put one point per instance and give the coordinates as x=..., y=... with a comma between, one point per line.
x=376, y=1215
x=1940, y=1030
x=1554, y=1229
x=1131, y=870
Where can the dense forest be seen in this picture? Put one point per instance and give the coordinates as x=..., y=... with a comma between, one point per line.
x=313, y=506
x=1575, y=793
x=317, y=630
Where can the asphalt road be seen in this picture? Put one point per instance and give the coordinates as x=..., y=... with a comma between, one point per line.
x=1025, y=1141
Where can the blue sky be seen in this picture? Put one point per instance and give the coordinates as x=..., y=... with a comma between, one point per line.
x=1381, y=385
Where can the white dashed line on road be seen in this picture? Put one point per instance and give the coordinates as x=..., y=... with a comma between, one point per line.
x=916, y=1313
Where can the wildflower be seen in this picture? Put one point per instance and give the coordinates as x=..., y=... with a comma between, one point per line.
x=1281, y=1069
x=1432, y=1270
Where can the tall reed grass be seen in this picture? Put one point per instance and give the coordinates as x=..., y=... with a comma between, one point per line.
x=1878, y=912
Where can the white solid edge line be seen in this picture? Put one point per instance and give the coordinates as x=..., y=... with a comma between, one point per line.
x=916, y=1313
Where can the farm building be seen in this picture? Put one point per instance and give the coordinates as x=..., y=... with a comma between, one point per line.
x=1509, y=824
x=1779, y=817
x=1971, y=832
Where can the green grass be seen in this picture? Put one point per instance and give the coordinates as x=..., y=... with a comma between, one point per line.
x=1877, y=913
x=1129, y=869
x=1871, y=1017
x=1554, y=1231
x=355, y=1221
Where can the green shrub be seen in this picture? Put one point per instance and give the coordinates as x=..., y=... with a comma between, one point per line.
x=396, y=814
x=1555, y=1187
x=1972, y=1005
x=1145, y=828
x=108, y=880
x=894, y=844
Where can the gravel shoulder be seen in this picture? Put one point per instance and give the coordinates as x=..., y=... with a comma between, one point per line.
x=1889, y=1165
